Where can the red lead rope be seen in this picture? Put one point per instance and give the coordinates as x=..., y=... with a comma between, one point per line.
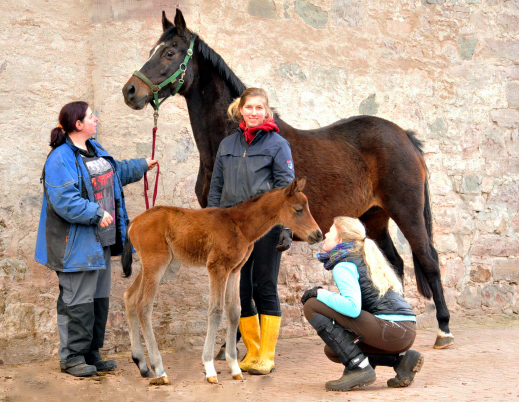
x=146, y=186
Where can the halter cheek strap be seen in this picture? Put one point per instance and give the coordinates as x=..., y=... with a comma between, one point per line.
x=181, y=71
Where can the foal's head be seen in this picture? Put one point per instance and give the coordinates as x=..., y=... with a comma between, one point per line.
x=296, y=215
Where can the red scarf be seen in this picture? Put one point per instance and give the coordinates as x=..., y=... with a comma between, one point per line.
x=250, y=133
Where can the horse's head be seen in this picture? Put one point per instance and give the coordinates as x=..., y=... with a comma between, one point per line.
x=166, y=59
x=296, y=215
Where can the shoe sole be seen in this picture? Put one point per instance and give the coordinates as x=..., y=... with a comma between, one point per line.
x=407, y=381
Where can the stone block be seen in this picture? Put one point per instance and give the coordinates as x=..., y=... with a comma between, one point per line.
x=470, y=297
x=454, y=269
x=467, y=47
x=312, y=15
x=368, y=106
x=512, y=94
x=505, y=117
x=13, y=270
x=438, y=128
x=471, y=185
x=291, y=71
x=262, y=9
x=480, y=274
x=495, y=245
x=506, y=269
x=497, y=296
x=348, y=12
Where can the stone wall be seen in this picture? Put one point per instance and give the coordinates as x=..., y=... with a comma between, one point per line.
x=449, y=70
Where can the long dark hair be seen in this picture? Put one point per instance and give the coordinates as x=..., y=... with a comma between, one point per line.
x=69, y=115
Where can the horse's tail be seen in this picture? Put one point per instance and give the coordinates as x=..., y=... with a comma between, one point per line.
x=421, y=280
x=126, y=256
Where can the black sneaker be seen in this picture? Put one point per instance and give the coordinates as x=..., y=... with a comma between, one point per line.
x=77, y=367
x=358, y=377
x=409, y=365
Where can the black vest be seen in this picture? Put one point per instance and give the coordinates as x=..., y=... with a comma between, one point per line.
x=390, y=303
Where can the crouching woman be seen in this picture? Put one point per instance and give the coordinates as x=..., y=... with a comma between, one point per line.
x=368, y=323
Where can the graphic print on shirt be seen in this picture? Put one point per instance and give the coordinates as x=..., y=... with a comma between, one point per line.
x=102, y=177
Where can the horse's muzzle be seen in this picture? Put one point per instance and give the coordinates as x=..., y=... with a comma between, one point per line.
x=315, y=237
x=135, y=95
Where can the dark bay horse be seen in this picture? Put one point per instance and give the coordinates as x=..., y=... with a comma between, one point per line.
x=222, y=240
x=364, y=167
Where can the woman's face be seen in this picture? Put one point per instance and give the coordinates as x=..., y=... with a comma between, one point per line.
x=331, y=239
x=89, y=124
x=253, y=111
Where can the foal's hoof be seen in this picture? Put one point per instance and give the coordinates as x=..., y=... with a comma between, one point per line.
x=238, y=376
x=160, y=381
x=443, y=340
x=212, y=380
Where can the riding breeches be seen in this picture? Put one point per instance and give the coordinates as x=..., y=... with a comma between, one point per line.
x=259, y=276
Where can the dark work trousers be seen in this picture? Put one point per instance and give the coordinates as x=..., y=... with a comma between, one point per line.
x=259, y=277
x=379, y=336
x=83, y=304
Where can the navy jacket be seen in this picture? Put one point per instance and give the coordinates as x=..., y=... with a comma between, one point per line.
x=67, y=234
x=243, y=171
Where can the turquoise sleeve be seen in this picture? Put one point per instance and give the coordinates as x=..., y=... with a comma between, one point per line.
x=349, y=301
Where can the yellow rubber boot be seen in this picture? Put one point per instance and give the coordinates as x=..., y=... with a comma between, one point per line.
x=250, y=332
x=269, y=337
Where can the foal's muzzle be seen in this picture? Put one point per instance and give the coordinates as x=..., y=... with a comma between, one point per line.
x=315, y=237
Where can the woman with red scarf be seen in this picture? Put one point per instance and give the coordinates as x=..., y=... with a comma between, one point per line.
x=252, y=161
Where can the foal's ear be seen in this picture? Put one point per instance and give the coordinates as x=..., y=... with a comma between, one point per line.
x=180, y=23
x=296, y=186
x=165, y=22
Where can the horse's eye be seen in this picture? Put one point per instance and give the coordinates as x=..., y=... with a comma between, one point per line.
x=298, y=210
x=171, y=53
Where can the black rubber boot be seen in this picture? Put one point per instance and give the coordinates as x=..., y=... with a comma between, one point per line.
x=358, y=372
x=406, y=368
x=94, y=357
x=382, y=360
x=77, y=367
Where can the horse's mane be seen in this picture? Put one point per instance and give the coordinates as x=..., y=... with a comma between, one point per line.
x=235, y=85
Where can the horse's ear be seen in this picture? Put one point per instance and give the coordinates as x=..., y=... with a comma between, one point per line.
x=180, y=23
x=301, y=184
x=165, y=22
x=296, y=186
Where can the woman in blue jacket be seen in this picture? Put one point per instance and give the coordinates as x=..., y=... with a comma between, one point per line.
x=252, y=161
x=82, y=224
x=368, y=323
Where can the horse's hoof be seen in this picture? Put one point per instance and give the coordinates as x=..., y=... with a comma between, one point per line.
x=147, y=374
x=160, y=381
x=444, y=341
x=212, y=380
x=238, y=376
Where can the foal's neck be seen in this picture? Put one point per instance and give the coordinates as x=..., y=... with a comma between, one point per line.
x=257, y=216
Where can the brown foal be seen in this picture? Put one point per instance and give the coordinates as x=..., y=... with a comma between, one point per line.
x=221, y=239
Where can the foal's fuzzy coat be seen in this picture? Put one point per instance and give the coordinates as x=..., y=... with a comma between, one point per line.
x=221, y=239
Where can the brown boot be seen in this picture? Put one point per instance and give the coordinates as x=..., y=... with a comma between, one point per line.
x=357, y=377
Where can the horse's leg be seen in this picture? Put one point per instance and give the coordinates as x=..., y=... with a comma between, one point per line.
x=134, y=327
x=409, y=218
x=153, y=267
x=217, y=283
x=376, y=221
x=233, y=310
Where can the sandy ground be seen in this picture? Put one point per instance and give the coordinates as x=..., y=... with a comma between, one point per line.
x=482, y=365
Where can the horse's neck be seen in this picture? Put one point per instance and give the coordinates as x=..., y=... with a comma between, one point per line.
x=255, y=218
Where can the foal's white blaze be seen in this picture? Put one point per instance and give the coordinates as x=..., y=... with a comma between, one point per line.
x=155, y=51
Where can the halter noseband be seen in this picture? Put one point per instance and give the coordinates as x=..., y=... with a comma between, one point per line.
x=156, y=88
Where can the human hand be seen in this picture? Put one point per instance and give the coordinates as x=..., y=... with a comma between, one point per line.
x=151, y=163
x=309, y=294
x=285, y=240
x=107, y=219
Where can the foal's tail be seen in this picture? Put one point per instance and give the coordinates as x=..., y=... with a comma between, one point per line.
x=126, y=256
x=422, y=282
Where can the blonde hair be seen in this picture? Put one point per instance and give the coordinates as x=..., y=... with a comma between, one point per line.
x=234, y=108
x=379, y=269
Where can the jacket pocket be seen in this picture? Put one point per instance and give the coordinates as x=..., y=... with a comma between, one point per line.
x=70, y=240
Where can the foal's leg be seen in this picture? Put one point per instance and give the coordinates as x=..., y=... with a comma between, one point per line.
x=217, y=283
x=232, y=307
x=153, y=268
x=130, y=297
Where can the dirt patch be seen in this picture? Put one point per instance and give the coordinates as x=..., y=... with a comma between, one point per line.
x=482, y=365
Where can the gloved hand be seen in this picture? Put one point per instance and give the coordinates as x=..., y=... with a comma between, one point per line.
x=285, y=240
x=310, y=293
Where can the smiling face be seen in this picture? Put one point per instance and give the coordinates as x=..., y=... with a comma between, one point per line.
x=331, y=239
x=254, y=111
